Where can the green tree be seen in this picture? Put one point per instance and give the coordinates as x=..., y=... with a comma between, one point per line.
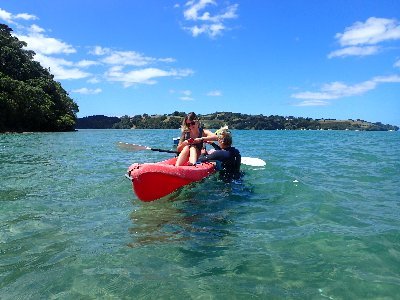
x=30, y=99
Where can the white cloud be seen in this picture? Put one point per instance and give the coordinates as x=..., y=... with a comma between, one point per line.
x=122, y=59
x=42, y=44
x=354, y=51
x=87, y=91
x=187, y=92
x=196, y=31
x=358, y=38
x=36, y=29
x=9, y=17
x=127, y=58
x=212, y=30
x=397, y=64
x=167, y=60
x=131, y=58
x=98, y=50
x=186, y=98
x=61, y=68
x=337, y=90
x=142, y=76
x=61, y=73
x=312, y=103
x=387, y=79
x=215, y=93
x=373, y=31
x=205, y=22
x=26, y=17
x=187, y=95
x=5, y=15
x=86, y=63
x=93, y=80
x=192, y=13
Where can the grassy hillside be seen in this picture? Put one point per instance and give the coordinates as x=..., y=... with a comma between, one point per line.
x=233, y=120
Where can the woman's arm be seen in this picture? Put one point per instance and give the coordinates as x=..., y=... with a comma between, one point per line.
x=208, y=136
x=181, y=145
x=182, y=142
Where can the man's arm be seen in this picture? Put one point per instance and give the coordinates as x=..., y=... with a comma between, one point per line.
x=220, y=155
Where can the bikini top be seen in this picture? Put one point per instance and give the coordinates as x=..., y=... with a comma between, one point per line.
x=186, y=135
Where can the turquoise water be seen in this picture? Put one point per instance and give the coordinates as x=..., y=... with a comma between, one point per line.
x=320, y=221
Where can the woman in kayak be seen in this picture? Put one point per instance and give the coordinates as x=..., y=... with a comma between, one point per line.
x=229, y=157
x=191, y=141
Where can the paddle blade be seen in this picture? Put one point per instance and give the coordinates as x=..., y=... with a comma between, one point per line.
x=253, y=161
x=128, y=146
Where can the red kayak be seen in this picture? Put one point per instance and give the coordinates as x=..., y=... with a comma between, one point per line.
x=152, y=181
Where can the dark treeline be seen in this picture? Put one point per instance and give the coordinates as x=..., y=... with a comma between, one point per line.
x=233, y=120
x=30, y=99
x=97, y=122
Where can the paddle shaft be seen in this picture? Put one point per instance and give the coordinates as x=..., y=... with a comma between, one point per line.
x=251, y=161
x=136, y=147
x=163, y=150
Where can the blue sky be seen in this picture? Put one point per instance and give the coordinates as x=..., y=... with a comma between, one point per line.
x=310, y=58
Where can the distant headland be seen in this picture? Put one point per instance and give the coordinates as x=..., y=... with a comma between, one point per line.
x=233, y=120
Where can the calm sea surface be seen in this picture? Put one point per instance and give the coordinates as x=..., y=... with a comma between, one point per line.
x=320, y=221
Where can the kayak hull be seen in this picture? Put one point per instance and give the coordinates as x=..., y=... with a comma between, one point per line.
x=151, y=181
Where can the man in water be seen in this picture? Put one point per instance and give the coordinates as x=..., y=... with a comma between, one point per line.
x=228, y=158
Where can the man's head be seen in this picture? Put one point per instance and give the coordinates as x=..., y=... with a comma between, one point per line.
x=224, y=136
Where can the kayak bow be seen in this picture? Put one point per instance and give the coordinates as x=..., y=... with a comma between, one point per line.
x=151, y=181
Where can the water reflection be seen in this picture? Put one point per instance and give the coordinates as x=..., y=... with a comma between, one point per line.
x=157, y=224
x=201, y=213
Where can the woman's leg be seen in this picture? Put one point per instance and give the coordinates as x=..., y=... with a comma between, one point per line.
x=183, y=157
x=194, y=155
